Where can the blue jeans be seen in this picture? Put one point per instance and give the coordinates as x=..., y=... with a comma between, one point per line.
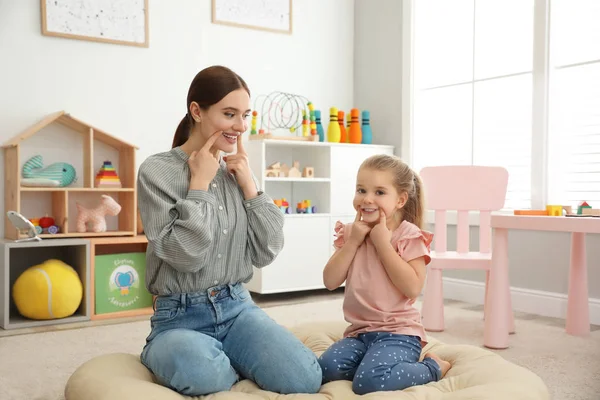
x=200, y=342
x=378, y=361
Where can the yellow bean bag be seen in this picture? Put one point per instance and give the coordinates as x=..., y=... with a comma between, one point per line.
x=475, y=374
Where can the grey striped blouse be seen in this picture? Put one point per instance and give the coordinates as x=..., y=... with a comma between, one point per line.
x=198, y=239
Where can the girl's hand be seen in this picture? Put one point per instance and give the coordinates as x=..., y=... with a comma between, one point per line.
x=237, y=164
x=203, y=164
x=380, y=234
x=360, y=230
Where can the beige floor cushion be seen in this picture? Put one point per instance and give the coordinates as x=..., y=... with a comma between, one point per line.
x=476, y=373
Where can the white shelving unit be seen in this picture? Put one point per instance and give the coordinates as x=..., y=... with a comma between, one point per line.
x=308, y=237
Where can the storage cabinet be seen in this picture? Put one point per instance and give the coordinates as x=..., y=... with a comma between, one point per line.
x=17, y=257
x=308, y=237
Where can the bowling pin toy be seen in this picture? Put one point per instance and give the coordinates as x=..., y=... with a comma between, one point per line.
x=333, y=129
x=320, y=130
x=354, y=134
x=343, y=133
x=367, y=134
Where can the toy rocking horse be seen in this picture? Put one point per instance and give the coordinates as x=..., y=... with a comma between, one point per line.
x=95, y=217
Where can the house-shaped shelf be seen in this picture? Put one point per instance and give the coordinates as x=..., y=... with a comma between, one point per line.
x=60, y=137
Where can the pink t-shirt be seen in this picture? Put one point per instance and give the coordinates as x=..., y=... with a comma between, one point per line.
x=371, y=302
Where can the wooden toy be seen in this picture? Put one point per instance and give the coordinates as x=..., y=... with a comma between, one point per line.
x=554, y=211
x=343, y=133
x=333, y=129
x=308, y=172
x=530, y=212
x=294, y=172
x=253, y=123
x=283, y=205
x=320, y=130
x=354, y=134
x=95, y=217
x=591, y=211
x=107, y=176
x=367, y=134
x=304, y=207
x=582, y=206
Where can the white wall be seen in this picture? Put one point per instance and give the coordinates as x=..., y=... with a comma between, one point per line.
x=139, y=94
x=539, y=261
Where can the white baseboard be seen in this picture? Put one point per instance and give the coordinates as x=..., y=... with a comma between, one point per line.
x=547, y=304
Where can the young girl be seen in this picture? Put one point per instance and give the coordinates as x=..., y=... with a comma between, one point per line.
x=382, y=257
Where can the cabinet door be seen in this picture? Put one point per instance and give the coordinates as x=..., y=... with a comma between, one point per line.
x=300, y=264
x=345, y=161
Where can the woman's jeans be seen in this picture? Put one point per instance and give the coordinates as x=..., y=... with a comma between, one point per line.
x=200, y=342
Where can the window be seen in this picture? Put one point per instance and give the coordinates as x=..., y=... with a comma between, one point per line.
x=494, y=83
x=574, y=104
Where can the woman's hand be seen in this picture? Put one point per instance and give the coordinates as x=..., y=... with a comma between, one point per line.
x=237, y=164
x=360, y=230
x=203, y=164
x=380, y=234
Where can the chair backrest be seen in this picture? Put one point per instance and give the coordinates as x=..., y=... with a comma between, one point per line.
x=464, y=188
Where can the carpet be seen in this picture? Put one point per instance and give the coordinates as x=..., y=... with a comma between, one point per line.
x=37, y=366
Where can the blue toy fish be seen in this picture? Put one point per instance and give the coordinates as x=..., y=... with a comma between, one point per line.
x=58, y=174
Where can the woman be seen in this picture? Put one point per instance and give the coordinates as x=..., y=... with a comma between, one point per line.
x=207, y=225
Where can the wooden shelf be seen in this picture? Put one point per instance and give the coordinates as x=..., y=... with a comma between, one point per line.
x=62, y=201
x=83, y=235
x=74, y=189
x=286, y=179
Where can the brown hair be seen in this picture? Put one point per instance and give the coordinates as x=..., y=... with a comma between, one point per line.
x=405, y=180
x=208, y=87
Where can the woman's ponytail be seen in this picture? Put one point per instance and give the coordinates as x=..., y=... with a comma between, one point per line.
x=183, y=132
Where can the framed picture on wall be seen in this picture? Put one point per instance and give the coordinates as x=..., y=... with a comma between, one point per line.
x=268, y=15
x=108, y=21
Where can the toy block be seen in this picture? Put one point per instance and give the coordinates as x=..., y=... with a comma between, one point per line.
x=107, y=176
x=582, y=206
x=567, y=210
x=294, y=172
x=530, y=212
x=554, y=211
x=308, y=172
x=591, y=211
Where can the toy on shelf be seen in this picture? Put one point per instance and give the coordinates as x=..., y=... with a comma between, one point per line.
x=283, y=205
x=48, y=291
x=304, y=207
x=334, y=133
x=58, y=174
x=354, y=133
x=367, y=134
x=107, y=176
x=23, y=226
x=276, y=170
x=278, y=111
x=279, y=170
x=45, y=225
x=343, y=133
x=294, y=172
x=93, y=219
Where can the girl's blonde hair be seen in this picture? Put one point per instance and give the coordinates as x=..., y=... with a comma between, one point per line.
x=405, y=180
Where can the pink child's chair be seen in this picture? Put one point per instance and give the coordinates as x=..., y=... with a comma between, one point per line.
x=462, y=189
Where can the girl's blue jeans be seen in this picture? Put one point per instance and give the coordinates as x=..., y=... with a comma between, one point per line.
x=202, y=343
x=378, y=361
